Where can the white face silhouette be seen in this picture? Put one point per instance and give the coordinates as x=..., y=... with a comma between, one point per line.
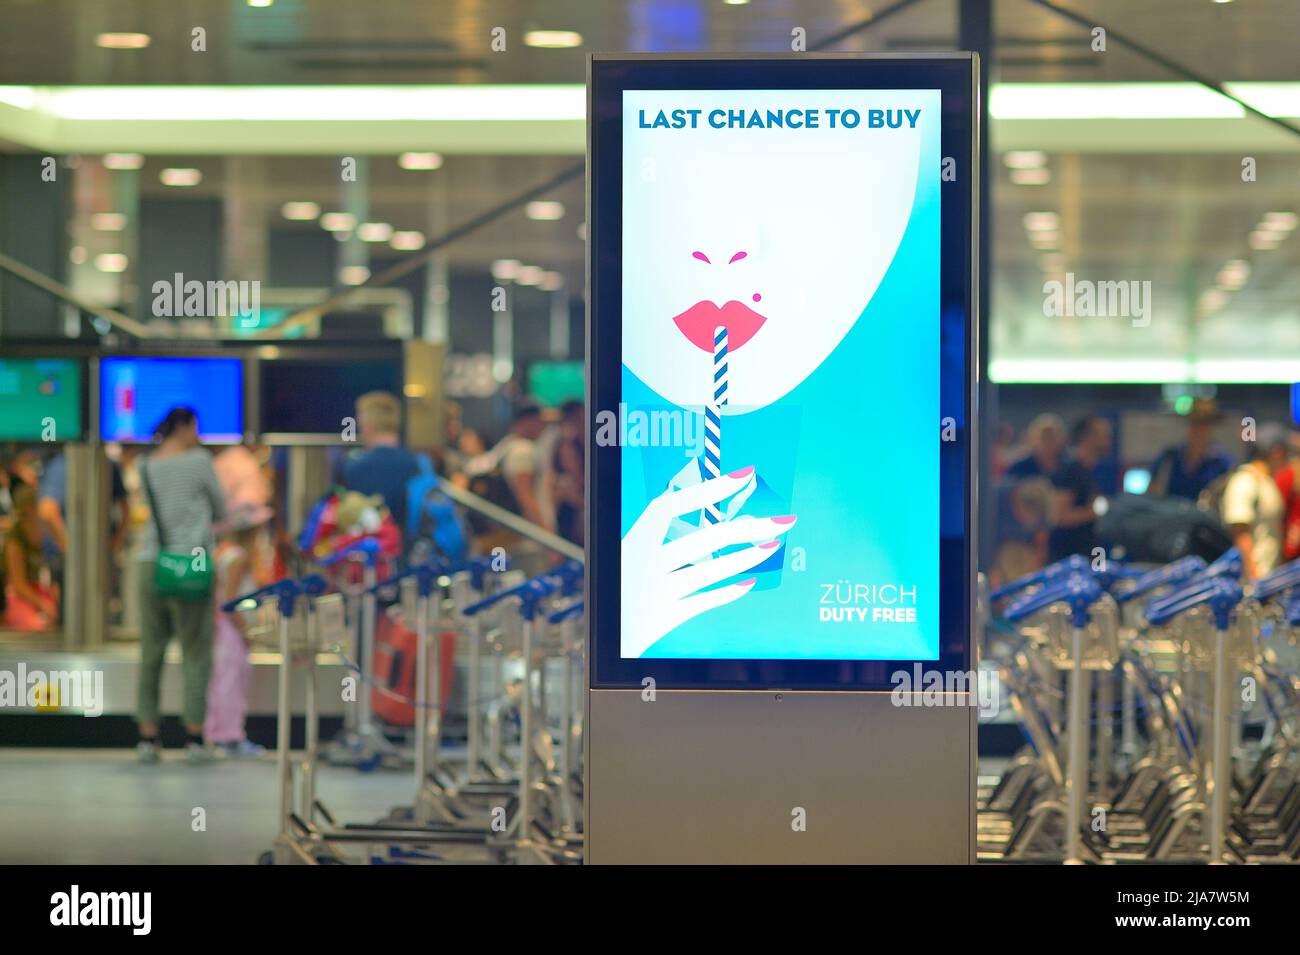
x=787, y=232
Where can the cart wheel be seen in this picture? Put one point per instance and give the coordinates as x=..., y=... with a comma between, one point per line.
x=266, y=858
x=371, y=764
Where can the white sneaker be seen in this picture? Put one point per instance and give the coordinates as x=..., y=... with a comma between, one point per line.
x=198, y=753
x=147, y=752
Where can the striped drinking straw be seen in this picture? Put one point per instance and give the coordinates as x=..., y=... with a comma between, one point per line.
x=713, y=418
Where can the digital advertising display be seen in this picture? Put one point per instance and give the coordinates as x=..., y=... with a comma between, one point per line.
x=136, y=393
x=790, y=338
x=40, y=399
x=780, y=290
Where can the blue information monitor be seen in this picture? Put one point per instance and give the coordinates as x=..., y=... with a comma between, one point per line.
x=135, y=394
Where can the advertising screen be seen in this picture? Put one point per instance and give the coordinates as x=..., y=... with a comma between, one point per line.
x=40, y=399
x=789, y=347
x=334, y=387
x=780, y=291
x=135, y=394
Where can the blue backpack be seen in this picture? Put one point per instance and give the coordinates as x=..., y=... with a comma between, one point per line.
x=433, y=528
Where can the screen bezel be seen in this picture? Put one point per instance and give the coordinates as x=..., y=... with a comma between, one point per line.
x=955, y=76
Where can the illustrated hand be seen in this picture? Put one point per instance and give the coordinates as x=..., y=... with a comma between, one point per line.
x=663, y=578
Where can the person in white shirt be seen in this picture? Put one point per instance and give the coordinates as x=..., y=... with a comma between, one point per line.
x=1253, y=507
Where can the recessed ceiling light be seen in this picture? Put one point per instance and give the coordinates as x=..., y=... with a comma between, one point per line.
x=552, y=39
x=111, y=262
x=353, y=274
x=1262, y=240
x=582, y=231
x=122, y=41
x=735, y=3
x=260, y=3
x=503, y=270
x=108, y=221
x=123, y=161
x=530, y=275
x=545, y=210
x=407, y=241
x=1041, y=221
x=374, y=232
x=1234, y=274
x=299, y=211
x=1280, y=221
x=551, y=282
x=180, y=177
x=1025, y=159
x=1031, y=177
x=77, y=254
x=417, y=161
x=338, y=221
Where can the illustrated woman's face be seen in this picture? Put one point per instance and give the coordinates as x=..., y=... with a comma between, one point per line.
x=771, y=234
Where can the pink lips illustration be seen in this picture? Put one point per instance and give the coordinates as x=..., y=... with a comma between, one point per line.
x=698, y=322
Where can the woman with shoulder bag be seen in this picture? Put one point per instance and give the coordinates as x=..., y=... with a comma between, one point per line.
x=176, y=594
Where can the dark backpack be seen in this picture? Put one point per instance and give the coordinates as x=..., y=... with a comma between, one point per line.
x=1158, y=530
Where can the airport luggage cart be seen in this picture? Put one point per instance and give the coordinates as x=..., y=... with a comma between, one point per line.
x=525, y=839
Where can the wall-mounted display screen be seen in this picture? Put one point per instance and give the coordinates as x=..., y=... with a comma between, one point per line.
x=41, y=399
x=136, y=393
x=786, y=354
x=313, y=396
x=555, y=382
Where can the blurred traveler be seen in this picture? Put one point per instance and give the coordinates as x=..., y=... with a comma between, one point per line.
x=520, y=465
x=1185, y=470
x=1045, y=437
x=1253, y=506
x=1004, y=442
x=235, y=561
x=384, y=467
x=1025, y=512
x=1288, y=482
x=1077, y=490
x=31, y=598
x=566, y=472
x=176, y=598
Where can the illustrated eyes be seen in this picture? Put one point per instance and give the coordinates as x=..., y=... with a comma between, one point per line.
x=704, y=258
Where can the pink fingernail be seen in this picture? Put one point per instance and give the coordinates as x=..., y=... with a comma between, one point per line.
x=785, y=519
x=769, y=545
x=743, y=472
x=746, y=583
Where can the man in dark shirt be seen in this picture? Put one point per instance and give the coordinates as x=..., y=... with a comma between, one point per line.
x=1077, y=490
x=1185, y=470
x=384, y=467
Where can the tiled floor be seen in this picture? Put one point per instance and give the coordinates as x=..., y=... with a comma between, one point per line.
x=101, y=806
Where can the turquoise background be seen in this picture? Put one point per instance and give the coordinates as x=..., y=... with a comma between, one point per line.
x=854, y=449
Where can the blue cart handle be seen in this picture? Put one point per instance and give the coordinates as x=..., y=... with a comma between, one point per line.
x=1293, y=609
x=1180, y=570
x=532, y=589
x=574, y=609
x=1278, y=582
x=1074, y=564
x=368, y=547
x=1229, y=564
x=1077, y=590
x=284, y=591
x=1221, y=594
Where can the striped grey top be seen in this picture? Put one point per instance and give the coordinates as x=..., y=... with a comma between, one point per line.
x=189, y=499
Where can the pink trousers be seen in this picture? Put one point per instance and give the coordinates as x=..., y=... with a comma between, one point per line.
x=228, y=688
